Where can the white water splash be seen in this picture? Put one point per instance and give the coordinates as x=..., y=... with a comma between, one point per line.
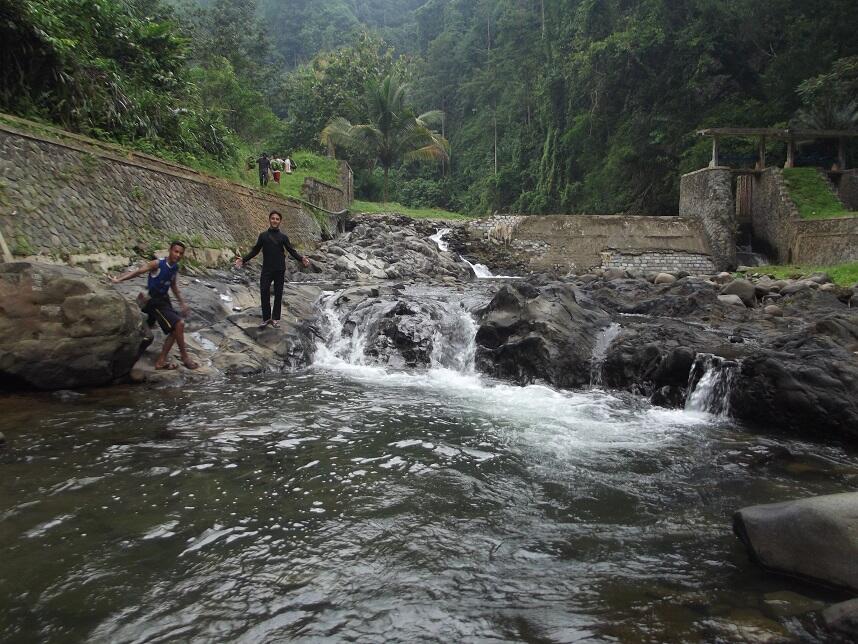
x=557, y=422
x=600, y=351
x=710, y=383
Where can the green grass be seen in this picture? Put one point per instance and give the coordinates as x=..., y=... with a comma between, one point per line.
x=812, y=196
x=842, y=274
x=372, y=207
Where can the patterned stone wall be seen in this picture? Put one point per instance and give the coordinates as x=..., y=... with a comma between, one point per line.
x=657, y=261
x=68, y=197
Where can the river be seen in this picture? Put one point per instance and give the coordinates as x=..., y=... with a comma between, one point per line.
x=352, y=502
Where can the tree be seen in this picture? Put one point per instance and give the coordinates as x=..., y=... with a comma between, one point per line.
x=394, y=133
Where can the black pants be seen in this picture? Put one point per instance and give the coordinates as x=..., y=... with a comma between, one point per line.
x=265, y=293
x=263, y=178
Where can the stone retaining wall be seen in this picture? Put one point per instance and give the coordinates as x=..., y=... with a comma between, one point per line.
x=70, y=196
x=847, y=189
x=787, y=238
x=563, y=243
x=706, y=196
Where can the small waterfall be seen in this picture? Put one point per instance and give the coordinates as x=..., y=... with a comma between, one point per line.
x=438, y=238
x=710, y=383
x=480, y=270
x=347, y=336
x=454, y=343
x=600, y=351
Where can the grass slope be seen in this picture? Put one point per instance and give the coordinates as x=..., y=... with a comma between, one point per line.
x=370, y=207
x=812, y=196
x=842, y=274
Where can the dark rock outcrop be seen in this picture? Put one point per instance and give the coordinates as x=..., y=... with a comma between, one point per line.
x=60, y=328
x=528, y=333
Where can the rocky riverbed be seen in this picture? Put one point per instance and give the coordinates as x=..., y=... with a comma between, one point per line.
x=779, y=355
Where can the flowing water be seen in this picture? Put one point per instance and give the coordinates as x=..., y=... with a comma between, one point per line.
x=349, y=502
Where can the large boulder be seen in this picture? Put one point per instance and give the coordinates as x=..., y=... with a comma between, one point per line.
x=805, y=381
x=528, y=333
x=60, y=328
x=815, y=538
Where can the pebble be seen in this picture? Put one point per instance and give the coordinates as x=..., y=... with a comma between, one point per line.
x=774, y=311
x=734, y=300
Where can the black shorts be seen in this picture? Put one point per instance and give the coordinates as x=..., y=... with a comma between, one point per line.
x=161, y=310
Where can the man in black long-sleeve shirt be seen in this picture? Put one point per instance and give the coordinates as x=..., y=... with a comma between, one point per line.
x=272, y=244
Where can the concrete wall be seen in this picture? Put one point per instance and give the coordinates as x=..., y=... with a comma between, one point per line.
x=68, y=196
x=563, y=243
x=789, y=239
x=706, y=196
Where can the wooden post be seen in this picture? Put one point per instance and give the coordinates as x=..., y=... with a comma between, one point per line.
x=761, y=152
x=716, y=147
x=841, y=153
x=790, y=159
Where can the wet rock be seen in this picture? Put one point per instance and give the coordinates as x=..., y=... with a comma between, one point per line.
x=814, y=538
x=732, y=300
x=819, y=278
x=2, y=440
x=744, y=289
x=61, y=329
x=786, y=603
x=529, y=334
x=664, y=278
x=611, y=274
x=774, y=311
x=843, y=618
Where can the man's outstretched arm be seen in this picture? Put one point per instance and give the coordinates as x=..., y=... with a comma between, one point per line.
x=148, y=267
x=294, y=253
x=241, y=261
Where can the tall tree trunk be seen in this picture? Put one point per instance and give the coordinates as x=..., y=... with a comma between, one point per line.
x=385, y=184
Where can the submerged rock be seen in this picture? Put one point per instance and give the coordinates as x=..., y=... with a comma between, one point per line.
x=843, y=618
x=815, y=538
x=61, y=329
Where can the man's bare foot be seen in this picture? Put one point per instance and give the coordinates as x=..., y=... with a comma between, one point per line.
x=189, y=362
x=163, y=365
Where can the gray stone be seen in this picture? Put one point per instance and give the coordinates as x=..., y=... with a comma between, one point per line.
x=744, y=289
x=60, y=329
x=2, y=440
x=819, y=278
x=814, y=538
x=774, y=311
x=798, y=287
x=612, y=274
x=664, y=278
x=733, y=300
x=843, y=617
x=722, y=278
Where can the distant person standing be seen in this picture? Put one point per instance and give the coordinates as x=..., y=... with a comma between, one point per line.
x=162, y=278
x=272, y=243
x=264, y=164
x=289, y=165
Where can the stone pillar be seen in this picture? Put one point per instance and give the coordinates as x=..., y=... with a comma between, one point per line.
x=706, y=197
x=716, y=149
x=790, y=156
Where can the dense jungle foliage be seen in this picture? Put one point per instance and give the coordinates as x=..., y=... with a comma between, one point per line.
x=550, y=105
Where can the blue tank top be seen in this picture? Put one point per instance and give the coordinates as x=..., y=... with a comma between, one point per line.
x=159, y=283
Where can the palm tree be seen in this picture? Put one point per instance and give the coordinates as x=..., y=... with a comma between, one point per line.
x=394, y=133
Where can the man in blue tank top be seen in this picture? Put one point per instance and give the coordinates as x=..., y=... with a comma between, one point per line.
x=163, y=274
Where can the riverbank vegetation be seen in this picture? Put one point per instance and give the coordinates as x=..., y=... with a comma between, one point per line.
x=549, y=106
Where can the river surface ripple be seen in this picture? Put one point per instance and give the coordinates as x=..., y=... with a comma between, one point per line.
x=347, y=503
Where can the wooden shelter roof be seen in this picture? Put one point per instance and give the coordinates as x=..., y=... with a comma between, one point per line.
x=778, y=133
